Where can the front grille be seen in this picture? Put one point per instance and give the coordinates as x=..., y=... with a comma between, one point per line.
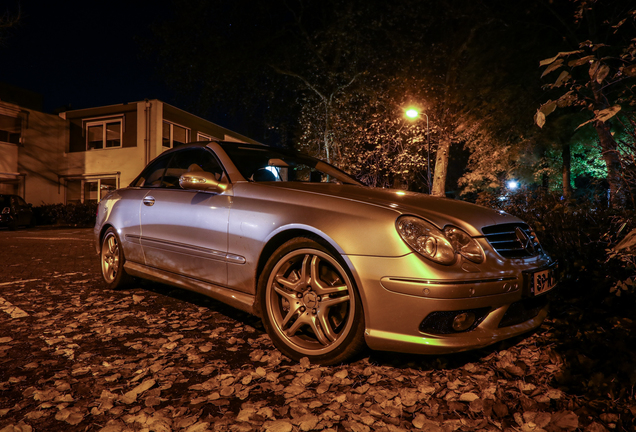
x=504, y=239
x=523, y=310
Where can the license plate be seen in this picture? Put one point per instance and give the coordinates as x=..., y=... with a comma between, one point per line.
x=542, y=281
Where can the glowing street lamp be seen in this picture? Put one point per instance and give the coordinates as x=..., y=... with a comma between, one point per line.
x=412, y=113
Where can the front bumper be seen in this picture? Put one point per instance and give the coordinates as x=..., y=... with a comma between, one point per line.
x=395, y=306
x=6, y=220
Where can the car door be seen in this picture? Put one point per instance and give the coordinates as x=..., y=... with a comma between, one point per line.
x=185, y=231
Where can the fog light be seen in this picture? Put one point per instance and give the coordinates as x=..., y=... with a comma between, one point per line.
x=463, y=321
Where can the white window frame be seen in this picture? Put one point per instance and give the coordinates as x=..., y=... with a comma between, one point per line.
x=84, y=180
x=205, y=137
x=103, y=122
x=171, y=139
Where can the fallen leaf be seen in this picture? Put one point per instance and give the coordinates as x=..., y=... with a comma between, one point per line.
x=468, y=397
x=565, y=420
x=20, y=427
x=277, y=426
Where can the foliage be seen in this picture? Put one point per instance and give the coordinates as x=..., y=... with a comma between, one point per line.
x=622, y=250
x=597, y=76
x=80, y=214
x=372, y=138
x=587, y=166
x=578, y=234
x=625, y=253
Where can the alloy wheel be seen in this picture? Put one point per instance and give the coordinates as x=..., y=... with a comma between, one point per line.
x=110, y=257
x=310, y=301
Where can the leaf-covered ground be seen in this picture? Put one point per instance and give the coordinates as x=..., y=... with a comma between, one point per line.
x=75, y=357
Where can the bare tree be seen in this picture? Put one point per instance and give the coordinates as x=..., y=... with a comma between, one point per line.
x=8, y=21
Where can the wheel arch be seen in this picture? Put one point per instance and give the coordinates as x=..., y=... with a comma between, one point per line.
x=102, y=231
x=280, y=237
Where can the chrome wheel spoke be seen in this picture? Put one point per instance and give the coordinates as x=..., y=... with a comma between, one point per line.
x=283, y=281
x=287, y=295
x=325, y=290
x=322, y=333
x=302, y=320
x=321, y=287
x=294, y=305
x=316, y=283
x=305, y=275
x=330, y=302
x=112, y=245
x=326, y=328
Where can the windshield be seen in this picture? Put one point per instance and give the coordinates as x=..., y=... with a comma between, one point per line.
x=261, y=163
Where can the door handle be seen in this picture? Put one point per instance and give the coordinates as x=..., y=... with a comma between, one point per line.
x=149, y=201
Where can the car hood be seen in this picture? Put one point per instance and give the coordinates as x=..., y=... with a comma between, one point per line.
x=440, y=211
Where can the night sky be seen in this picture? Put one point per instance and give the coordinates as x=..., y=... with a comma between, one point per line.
x=82, y=53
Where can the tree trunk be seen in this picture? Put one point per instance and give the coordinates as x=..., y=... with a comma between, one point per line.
x=566, y=155
x=609, y=147
x=613, y=164
x=441, y=168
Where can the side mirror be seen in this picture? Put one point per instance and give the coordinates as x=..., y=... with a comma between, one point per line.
x=203, y=181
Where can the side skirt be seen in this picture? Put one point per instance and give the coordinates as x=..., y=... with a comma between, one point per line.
x=237, y=299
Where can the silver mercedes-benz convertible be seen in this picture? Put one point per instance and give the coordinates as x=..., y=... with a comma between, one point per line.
x=327, y=263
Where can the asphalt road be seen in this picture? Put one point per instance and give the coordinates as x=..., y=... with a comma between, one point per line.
x=74, y=356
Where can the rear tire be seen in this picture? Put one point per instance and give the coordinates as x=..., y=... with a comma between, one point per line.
x=310, y=305
x=112, y=261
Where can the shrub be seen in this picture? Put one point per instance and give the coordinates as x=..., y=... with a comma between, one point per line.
x=80, y=214
x=579, y=234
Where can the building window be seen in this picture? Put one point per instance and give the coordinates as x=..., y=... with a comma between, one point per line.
x=174, y=135
x=89, y=190
x=10, y=129
x=103, y=134
x=204, y=137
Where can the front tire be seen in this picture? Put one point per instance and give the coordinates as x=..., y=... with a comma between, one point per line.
x=112, y=261
x=310, y=304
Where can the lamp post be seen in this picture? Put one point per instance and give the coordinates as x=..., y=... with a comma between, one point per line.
x=412, y=113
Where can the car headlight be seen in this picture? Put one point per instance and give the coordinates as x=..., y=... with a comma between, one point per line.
x=426, y=239
x=436, y=245
x=464, y=244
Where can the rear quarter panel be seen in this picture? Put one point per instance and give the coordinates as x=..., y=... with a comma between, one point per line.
x=120, y=210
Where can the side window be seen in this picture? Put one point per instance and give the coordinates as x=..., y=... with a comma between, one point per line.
x=208, y=162
x=198, y=159
x=151, y=176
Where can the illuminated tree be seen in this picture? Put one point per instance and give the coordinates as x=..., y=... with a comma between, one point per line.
x=597, y=76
